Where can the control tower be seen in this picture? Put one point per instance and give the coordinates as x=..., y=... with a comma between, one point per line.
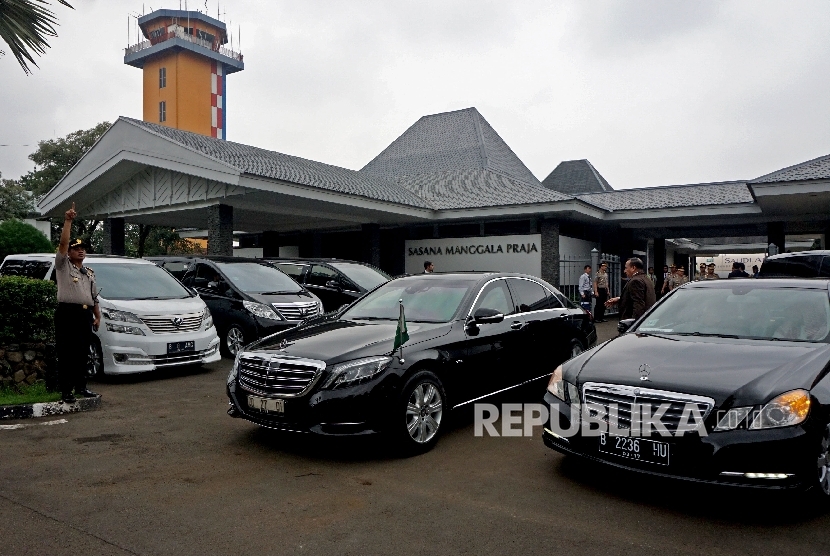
x=185, y=67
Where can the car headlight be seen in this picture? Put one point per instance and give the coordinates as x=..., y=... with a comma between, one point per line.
x=356, y=371
x=261, y=310
x=561, y=388
x=111, y=327
x=790, y=408
x=207, y=318
x=123, y=316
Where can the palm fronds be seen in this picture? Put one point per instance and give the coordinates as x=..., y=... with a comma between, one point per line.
x=25, y=26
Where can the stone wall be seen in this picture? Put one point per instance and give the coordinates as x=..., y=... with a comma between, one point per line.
x=26, y=363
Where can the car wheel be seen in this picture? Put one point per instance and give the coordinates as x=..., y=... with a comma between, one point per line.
x=822, y=488
x=95, y=360
x=576, y=348
x=233, y=341
x=421, y=412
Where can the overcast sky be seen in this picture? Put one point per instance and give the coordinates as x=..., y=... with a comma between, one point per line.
x=651, y=92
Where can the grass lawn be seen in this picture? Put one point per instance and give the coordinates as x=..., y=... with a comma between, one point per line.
x=27, y=394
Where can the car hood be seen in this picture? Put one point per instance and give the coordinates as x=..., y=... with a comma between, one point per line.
x=298, y=297
x=151, y=307
x=732, y=372
x=343, y=340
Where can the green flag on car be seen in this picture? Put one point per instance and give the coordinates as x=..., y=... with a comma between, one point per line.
x=401, y=335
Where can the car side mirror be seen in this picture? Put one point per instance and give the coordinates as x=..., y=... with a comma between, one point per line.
x=487, y=316
x=624, y=325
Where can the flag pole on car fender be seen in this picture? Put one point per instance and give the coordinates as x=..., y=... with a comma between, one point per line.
x=401, y=334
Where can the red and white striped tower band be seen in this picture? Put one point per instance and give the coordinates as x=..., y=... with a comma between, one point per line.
x=217, y=94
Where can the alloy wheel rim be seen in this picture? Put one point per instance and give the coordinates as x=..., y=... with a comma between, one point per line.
x=234, y=340
x=424, y=412
x=94, y=361
x=823, y=462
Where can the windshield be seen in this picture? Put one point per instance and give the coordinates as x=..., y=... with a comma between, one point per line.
x=424, y=300
x=258, y=278
x=135, y=281
x=744, y=311
x=364, y=276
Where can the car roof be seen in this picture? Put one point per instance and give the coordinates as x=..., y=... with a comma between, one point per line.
x=313, y=260
x=90, y=257
x=209, y=258
x=771, y=283
x=799, y=254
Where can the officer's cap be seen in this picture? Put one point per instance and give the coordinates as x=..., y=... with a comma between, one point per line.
x=78, y=243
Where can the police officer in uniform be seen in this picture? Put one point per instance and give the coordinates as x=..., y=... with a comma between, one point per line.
x=77, y=313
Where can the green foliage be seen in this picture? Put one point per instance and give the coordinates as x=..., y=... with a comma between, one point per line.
x=55, y=157
x=24, y=26
x=28, y=313
x=146, y=241
x=23, y=393
x=15, y=201
x=17, y=237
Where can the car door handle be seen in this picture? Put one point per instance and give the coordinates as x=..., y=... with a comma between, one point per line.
x=518, y=325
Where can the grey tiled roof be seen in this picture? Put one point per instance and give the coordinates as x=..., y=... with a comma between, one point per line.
x=816, y=169
x=575, y=177
x=270, y=164
x=703, y=194
x=459, y=189
x=449, y=142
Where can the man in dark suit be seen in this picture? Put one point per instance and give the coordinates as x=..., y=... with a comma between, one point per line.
x=638, y=295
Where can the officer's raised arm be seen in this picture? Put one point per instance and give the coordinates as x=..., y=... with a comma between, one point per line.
x=69, y=216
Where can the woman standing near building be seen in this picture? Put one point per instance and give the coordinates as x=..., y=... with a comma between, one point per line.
x=601, y=291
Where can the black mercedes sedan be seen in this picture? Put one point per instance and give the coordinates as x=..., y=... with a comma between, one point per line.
x=723, y=382
x=470, y=335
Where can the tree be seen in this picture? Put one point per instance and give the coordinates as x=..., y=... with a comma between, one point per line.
x=55, y=157
x=18, y=237
x=24, y=27
x=15, y=201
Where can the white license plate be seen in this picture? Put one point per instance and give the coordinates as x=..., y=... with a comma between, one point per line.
x=266, y=405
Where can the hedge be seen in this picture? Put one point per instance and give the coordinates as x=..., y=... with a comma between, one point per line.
x=18, y=237
x=27, y=310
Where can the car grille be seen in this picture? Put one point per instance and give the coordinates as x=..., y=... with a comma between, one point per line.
x=296, y=311
x=167, y=325
x=624, y=397
x=280, y=376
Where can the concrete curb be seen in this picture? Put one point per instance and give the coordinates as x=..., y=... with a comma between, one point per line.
x=45, y=409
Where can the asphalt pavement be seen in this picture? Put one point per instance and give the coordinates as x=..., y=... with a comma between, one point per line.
x=161, y=469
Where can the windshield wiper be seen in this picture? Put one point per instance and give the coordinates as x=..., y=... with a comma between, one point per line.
x=279, y=293
x=734, y=336
x=371, y=318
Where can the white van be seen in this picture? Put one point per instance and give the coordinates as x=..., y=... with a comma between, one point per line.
x=149, y=320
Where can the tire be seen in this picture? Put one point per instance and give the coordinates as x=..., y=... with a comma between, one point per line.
x=232, y=340
x=821, y=487
x=576, y=349
x=419, y=413
x=95, y=362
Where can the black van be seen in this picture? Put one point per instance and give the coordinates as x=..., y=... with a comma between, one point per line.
x=336, y=282
x=805, y=264
x=248, y=298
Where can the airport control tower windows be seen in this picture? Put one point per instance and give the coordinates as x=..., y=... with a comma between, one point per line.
x=162, y=111
x=162, y=78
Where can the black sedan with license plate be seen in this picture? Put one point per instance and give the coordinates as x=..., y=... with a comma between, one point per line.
x=470, y=335
x=721, y=382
